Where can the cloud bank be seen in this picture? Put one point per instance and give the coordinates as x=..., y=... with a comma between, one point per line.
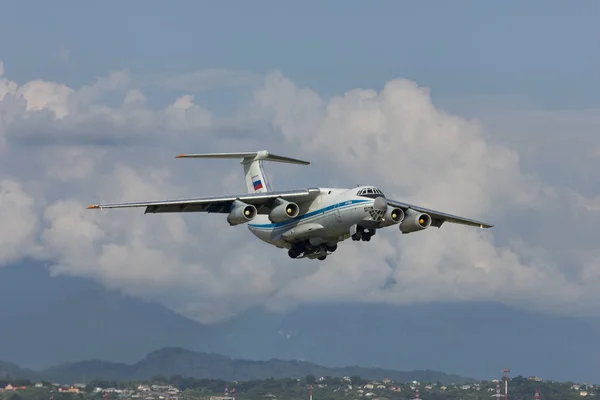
x=63, y=148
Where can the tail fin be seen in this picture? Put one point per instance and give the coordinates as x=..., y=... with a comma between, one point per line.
x=256, y=179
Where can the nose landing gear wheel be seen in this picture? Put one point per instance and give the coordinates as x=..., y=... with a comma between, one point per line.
x=366, y=235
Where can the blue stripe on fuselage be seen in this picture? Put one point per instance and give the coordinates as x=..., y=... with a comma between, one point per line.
x=310, y=214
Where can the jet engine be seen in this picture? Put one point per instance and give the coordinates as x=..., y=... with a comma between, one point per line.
x=391, y=217
x=415, y=221
x=284, y=210
x=241, y=213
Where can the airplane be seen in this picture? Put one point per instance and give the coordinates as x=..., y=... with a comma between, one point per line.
x=308, y=222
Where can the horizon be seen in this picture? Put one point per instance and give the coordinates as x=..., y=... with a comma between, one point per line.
x=331, y=367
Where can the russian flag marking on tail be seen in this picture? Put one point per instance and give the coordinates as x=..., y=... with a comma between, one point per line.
x=257, y=184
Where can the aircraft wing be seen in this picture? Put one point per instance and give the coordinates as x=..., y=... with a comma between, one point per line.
x=262, y=201
x=437, y=217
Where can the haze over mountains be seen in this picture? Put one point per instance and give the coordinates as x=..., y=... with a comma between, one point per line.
x=176, y=361
x=50, y=320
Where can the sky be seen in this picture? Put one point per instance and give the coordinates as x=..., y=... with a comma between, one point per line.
x=487, y=110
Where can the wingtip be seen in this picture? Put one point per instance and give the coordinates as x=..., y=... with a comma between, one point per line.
x=93, y=206
x=181, y=155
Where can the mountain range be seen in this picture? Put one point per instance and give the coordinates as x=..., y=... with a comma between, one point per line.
x=51, y=320
x=177, y=361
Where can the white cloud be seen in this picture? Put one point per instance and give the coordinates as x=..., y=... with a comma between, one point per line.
x=19, y=222
x=40, y=95
x=183, y=114
x=397, y=139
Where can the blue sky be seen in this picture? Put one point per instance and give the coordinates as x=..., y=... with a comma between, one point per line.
x=97, y=98
x=546, y=50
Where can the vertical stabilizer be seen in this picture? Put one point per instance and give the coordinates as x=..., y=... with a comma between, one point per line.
x=256, y=178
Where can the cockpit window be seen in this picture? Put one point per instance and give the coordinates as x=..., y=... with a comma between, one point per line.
x=370, y=192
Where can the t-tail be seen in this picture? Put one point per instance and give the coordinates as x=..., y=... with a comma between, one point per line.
x=256, y=178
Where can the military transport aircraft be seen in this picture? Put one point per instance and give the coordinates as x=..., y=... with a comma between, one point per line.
x=309, y=222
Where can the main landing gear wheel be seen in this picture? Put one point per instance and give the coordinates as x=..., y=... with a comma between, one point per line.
x=297, y=250
x=293, y=253
x=303, y=249
x=363, y=235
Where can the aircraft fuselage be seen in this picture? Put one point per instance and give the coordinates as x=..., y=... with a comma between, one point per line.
x=333, y=216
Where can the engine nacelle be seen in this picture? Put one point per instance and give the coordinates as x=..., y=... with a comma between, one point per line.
x=241, y=213
x=391, y=217
x=415, y=221
x=283, y=211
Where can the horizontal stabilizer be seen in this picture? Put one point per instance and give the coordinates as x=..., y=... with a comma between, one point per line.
x=247, y=157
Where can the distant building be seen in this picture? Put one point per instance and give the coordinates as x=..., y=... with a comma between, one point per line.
x=11, y=388
x=223, y=397
x=67, y=389
x=534, y=378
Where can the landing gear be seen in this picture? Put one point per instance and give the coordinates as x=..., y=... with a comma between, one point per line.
x=362, y=234
x=305, y=249
x=296, y=250
x=293, y=253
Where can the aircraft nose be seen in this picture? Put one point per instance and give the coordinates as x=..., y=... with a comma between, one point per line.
x=380, y=203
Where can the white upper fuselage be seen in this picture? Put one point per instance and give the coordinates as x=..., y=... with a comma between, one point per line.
x=336, y=210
